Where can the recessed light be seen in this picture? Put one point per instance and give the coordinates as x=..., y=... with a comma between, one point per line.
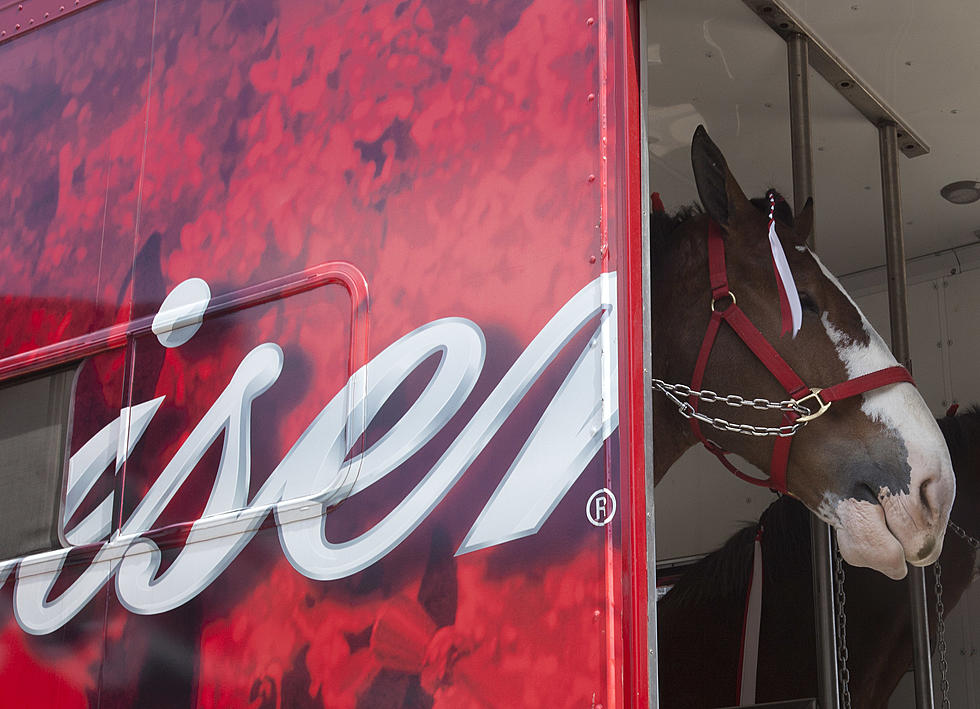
x=961, y=192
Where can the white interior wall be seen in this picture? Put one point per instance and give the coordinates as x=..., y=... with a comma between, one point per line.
x=944, y=341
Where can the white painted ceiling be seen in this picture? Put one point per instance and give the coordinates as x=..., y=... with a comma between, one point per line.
x=714, y=62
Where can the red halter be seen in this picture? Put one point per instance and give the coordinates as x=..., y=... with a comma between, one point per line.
x=777, y=366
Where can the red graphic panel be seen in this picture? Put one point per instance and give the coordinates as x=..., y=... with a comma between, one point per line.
x=450, y=152
x=71, y=131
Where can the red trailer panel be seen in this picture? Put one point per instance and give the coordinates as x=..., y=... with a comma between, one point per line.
x=351, y=297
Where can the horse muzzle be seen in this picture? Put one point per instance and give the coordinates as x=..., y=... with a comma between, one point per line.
x=883, y=529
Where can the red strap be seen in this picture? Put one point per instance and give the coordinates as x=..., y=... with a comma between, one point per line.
x=765, y=352
x=716, y=262
x=739, y=322
x=866, y=382
x=777, y=366
x=656, y=204
x=780, y=457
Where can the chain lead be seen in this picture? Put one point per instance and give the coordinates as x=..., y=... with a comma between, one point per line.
x=843, y=674
x=961, y=533
x=678, y=393
x=941, y=611
x=941, y=633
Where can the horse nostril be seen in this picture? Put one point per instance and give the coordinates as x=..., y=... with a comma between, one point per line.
x=924, y=498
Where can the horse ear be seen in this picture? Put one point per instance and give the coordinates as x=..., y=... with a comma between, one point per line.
x=717, y=188
x=804, y=222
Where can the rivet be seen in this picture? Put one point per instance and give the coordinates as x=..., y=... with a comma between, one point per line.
x=592, y=259
x=31, y=21
x=17, y=26
x=3, y=33
x=591, y=177
x=591, y=97
x=590, y=21
x=910, y=147
x=61, y=9
x=784, y=25
x=46, y=14
x=844, y=84
x=20, y=8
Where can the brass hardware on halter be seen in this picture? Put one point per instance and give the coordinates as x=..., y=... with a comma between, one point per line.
x=824, y=405
x=728, y=295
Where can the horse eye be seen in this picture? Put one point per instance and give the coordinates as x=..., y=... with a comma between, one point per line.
x=808, y=303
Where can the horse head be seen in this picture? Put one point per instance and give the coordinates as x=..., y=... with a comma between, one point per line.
x=873, y=462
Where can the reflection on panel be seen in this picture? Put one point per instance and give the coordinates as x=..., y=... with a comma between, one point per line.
x=55, y=665
x=234, y=395
x=71, y=130
x=715, y=64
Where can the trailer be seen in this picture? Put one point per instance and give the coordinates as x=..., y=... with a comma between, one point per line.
x=324, y=375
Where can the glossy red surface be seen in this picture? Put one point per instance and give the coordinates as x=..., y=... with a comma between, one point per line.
x=443, y=149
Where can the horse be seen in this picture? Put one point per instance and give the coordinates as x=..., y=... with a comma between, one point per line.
x=853, y=439
x=699, y=621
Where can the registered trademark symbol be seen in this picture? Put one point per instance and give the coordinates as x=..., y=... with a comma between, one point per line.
x=601, y=507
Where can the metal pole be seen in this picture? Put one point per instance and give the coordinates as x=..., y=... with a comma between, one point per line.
x=653, y=695
x=898, y=311
x=821, y=558
x=799, y=121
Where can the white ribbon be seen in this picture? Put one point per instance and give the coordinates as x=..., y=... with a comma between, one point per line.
x=783, y=272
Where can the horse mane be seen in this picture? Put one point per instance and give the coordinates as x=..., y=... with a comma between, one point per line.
x=960, y=430
x=663, y=224
x=724, y=573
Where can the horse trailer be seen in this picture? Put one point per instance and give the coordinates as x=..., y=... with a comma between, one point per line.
x=448, y=502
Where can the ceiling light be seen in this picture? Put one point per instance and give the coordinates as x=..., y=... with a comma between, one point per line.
x=962, y=192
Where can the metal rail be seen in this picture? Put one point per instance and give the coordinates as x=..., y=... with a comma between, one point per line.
x=821, y=550
x=785, y=23
x=805, y=49
x=19, y=17
x=653, y=683
x=898, y=313
x=797, y=54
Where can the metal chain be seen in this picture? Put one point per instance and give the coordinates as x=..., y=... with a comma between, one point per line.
x=941, y=633
x=941, y=611
x=843, y=674
x=675, y=392
x=961, y=533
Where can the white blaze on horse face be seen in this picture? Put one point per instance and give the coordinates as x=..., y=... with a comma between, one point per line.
x=916, y=517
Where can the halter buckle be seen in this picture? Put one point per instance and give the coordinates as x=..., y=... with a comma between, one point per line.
x=823, y=405
x=729, y=294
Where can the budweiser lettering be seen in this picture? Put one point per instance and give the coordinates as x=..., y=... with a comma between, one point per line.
x=316, y=473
